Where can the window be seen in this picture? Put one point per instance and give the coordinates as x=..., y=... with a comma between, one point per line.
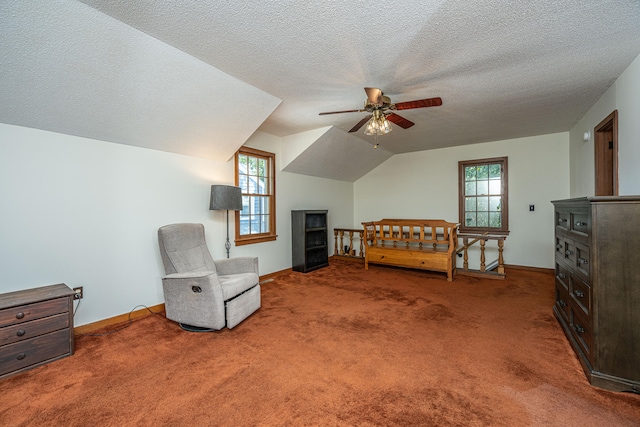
x=255, y=175
x=483, y=196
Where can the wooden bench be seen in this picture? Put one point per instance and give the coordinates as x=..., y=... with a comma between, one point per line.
x=426, y=244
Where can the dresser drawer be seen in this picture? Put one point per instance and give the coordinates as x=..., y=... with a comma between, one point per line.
x=28, y=312
x=562, y=220
x=580, y=294
x=560, y=247
x=579, y=222
x=33, y=351
x=581, y=331
x=24, y=331
x=562, y=276
x=582, y=261
x=567, y=254
x=562, y=303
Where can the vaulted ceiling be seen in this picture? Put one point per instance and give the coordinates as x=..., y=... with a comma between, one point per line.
x=200, y=77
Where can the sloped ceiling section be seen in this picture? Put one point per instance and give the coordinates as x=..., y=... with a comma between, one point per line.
x=336, y=154
x=504, y=69
x=70, y=69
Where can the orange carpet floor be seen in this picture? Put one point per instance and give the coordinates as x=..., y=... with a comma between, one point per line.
x=340, y=346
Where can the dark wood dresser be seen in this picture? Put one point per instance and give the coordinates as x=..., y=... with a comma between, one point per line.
x=597, y=254
x=36, y=327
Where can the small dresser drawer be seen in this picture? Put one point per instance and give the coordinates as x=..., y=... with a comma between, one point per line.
x=34, y=351
x=568, y=255
x=562, y=302
x=582, y=262
x=562, y=220
x=24, y=331
x=560, y=246
x=28, y=312
x=562, y=276
x=581, y=295
x=579, y=223
x=581, y=330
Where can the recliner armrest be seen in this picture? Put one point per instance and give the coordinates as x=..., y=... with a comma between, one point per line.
x=189, y=275
x=226, y=267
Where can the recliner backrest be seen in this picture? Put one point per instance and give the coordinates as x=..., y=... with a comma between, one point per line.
x=184, y=249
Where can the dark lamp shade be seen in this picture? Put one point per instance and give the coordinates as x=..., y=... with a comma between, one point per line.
x=225, y=198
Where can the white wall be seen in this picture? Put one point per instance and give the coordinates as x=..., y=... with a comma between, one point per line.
x=628, y=104
x=623, y=95
x=86, y=213
x=425, y=185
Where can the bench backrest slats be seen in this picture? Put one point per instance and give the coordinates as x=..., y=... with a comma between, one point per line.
x=410, y=232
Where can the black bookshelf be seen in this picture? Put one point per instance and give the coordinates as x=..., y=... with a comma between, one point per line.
x=309, y=249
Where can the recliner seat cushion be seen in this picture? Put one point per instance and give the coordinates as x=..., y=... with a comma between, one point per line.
x=235, y=284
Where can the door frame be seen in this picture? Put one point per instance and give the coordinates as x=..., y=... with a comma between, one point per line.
x=605, y=137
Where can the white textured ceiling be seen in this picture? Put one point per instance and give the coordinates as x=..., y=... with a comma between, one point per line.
x=504, y=69
x=70, y=69
x=339, y=156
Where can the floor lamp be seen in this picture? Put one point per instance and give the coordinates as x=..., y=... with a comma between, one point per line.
x=226, y=198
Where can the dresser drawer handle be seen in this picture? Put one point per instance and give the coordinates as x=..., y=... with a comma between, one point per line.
x=21, y=356
x=579, y=329
x=559, y=246
x=20, y=332
x=583, y=261
x=578, y=293
x=20, y=315
x=562, y=303
x=568, y=252
x=562, y=220
x=562, y=276
x=581, y=224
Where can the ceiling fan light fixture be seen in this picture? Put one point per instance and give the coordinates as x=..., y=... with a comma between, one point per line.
x=379, y=105
x=378, y=124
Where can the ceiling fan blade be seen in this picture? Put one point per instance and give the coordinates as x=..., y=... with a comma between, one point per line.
x=400, y=121
x=338, y=112
x=374, y=94
x=361, y=123
x=420, y=103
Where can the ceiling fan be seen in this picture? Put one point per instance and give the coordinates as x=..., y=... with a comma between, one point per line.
x=379, y=106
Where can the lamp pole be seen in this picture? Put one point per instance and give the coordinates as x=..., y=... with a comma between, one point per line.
x=227, y=244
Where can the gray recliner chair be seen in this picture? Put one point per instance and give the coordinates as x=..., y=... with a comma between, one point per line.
x=202, y=294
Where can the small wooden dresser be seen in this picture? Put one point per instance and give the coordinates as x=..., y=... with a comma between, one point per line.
x=597, y=255
x=36, y=327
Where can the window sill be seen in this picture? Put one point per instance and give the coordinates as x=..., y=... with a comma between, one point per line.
x=257, y=239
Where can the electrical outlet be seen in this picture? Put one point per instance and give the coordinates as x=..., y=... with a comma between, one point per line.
x=79, y=292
